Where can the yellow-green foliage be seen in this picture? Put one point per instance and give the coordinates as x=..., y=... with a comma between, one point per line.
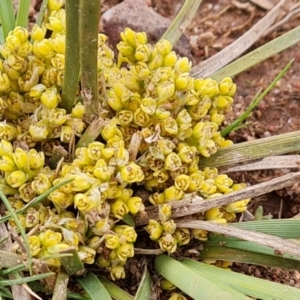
x=148, y=92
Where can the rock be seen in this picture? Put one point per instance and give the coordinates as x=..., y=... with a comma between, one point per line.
x=136, y=15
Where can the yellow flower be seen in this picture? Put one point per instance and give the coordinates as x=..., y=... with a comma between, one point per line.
x=169, y=226
x=157, y=198
x=26, y=192
x=32, y=217
x=61, y=199
x=36, y=159
x=34, y=245
x=167, y=285
x=167, y=243
x=55, y=4
x=199, y=234
x=41, y=184
x=6, y=148
x=102, y=261
x=126, y=231
x=176, y=296
x=81, y=201
x=16, y=178
x=38, y=131
x=125, y=251
x=182, y=236
x=38, y=33
x=117, y=272
x=78, y=111
x=135, y=204
x=50, y=238
x=87, y=254
x=4, y=82
x=173, y=194
x=42, y=48
x=182, y=182
x=154, y=229
x=7, y=164
x=50, y=98
x=131, y=173
x=119, y=209
x=165, y=212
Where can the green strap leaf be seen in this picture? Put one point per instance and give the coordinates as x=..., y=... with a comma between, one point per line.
x=193, y=283
x=23, y=11
x=115, y=292
x=254, y=287
x=93, y=287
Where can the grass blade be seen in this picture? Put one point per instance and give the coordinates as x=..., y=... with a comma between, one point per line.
x=72, y=66
x=7, y=16
x=128, y=220
x=181, y=21
x=193, y=284
x=144, y=290
x=93, y=287
x=260, y=54
x=115, y=292
x=25, y=279
x=216, y=252
x=22, y=16
x=254, y=287
x=235, y=124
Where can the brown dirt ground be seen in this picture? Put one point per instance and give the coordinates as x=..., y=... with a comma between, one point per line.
x=277, y=113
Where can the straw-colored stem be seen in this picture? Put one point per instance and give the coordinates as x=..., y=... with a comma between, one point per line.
x=72, y=66
x=274, y=242
x=228, y=54
x=193, y=205
x=61, y=286
x=253, y=150
x=260, y=54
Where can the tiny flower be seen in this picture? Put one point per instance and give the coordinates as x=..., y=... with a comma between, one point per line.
x=38, y=33
x=126, y=231
x=182, y=236
x=16, y=178
x=50, y=98
x=117, y=272
x=41, y=184
x=165, y=212
x=87, y=254
x=168, y=243
x=119, y=209
x=131, y=173
x=34, y=245
x=7, y=164
x=125, y=251
x=154, y=229
x=50, y=238
x=167, y=285
x=135, y=204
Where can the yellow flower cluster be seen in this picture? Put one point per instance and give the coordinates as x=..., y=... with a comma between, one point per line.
x=149, y=94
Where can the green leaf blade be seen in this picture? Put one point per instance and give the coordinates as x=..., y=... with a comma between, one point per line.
x=93, y=287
